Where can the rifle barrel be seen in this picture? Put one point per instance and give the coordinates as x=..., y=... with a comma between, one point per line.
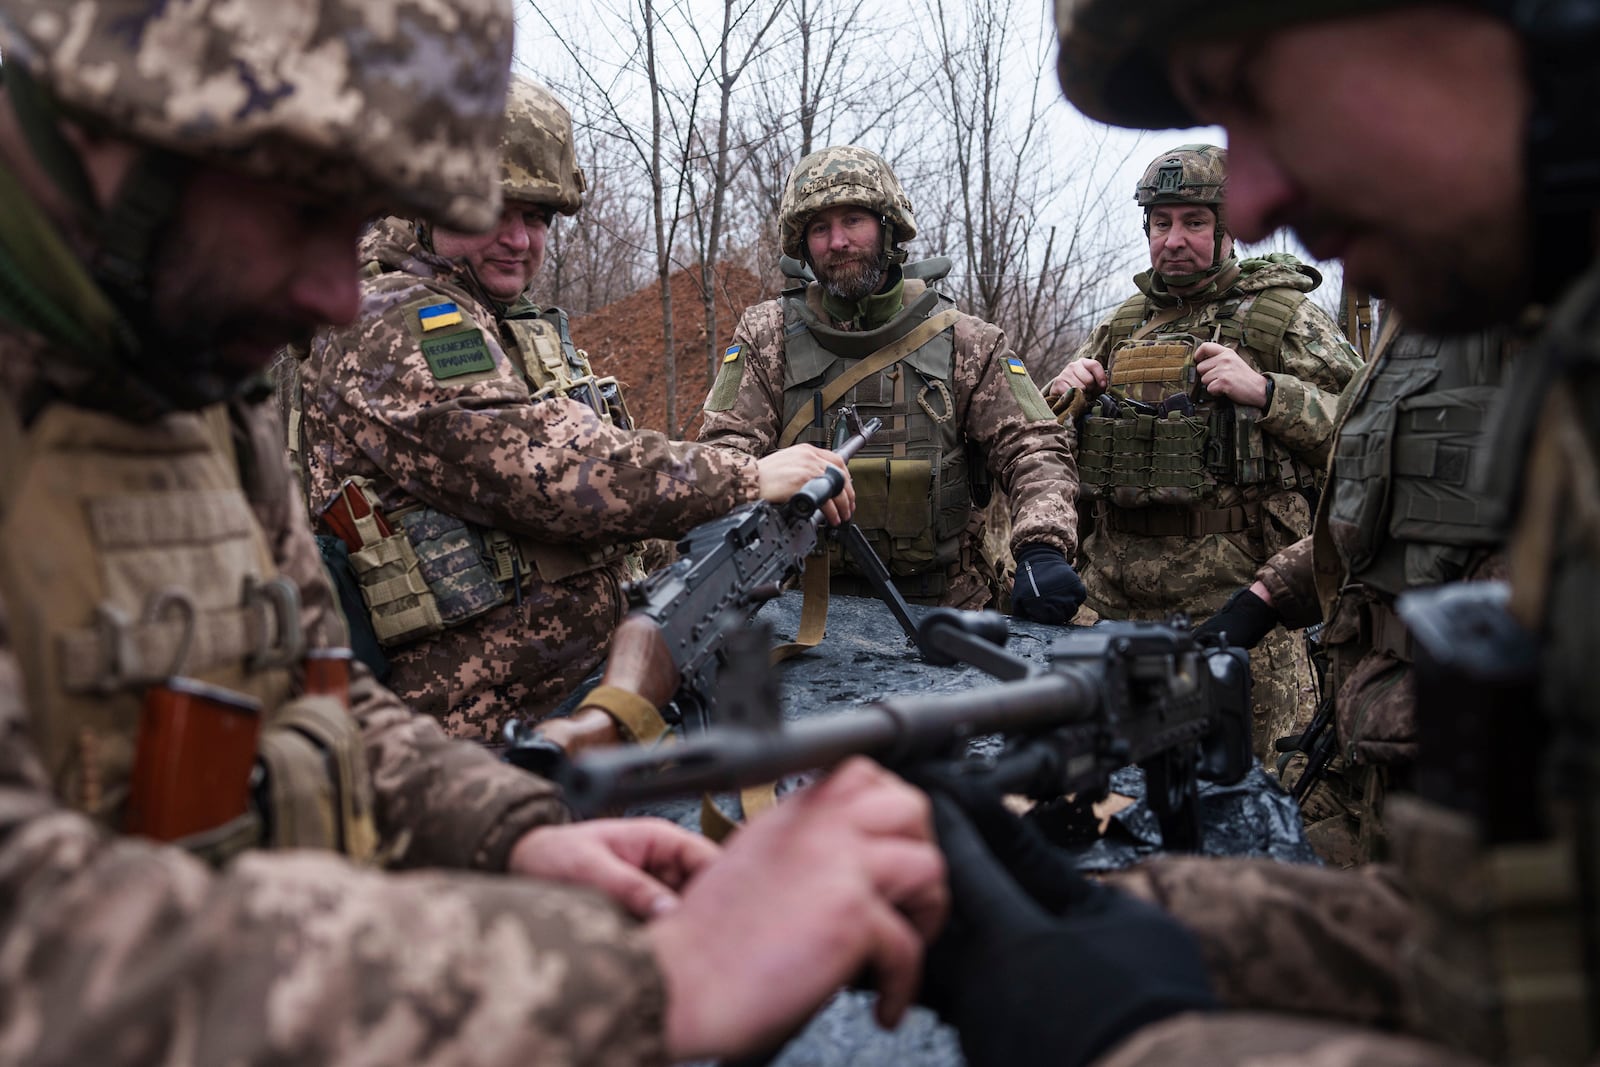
x=896, y=732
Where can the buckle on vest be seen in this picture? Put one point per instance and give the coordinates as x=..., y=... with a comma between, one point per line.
x=278, y=639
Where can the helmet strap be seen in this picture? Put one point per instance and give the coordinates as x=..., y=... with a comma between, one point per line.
x=892, y=256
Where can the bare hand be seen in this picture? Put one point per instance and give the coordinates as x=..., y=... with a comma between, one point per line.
x=841, y=878
x=785, y=471
x=1224, y=373
x=641, y=864
x=1085, y=375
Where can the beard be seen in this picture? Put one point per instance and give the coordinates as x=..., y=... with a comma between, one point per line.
x=851, y=279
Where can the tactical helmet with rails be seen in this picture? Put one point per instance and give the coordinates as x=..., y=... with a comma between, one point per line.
x=844, y=175
x=396, y=105
x=538, y=163
x=1189, y=174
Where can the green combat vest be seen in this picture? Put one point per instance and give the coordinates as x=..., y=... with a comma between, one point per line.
x=1156, y=439
x=914, y=495
x=1400, y=506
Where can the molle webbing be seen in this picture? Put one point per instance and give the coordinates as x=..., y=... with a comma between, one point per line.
x=1181, y=522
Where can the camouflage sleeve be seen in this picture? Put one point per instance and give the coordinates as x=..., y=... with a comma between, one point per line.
x=1318, y=363
x=439, y=802
x=473, y=443
x=1026, y=450
x=1286, y=937
x=122, y=953
x=1291, y=582
x=744, y=409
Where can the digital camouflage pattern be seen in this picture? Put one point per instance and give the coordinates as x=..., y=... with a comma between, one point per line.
x=841, y=175
x=120, y=952
x=538, y=161
x=1028, y=459
x=397, y=101
x=478, y=447
x=1131, y=575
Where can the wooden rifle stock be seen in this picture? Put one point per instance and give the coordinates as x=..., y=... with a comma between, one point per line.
x=639, y=663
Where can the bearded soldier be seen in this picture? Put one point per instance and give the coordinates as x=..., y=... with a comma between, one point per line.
x=959, y=409
x=509, y=477
x=1200, y=406
x=1446, y=152
x=183, y=187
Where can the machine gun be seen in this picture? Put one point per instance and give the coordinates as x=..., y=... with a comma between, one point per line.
x=671, y=648
x=1115, y=694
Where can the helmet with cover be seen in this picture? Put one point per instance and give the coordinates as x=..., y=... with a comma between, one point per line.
x=1188, y=174
x=538, y=163
x=844, y=175
x=396, y=105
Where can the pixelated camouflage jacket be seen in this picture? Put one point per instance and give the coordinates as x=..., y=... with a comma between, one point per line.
x=119, y=952
x=1130, y=574
x=1027, y=458
x=476, y=446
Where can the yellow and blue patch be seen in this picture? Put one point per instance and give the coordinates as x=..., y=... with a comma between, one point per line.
x=1016, y=366
x=438, y=316
x=732, y=354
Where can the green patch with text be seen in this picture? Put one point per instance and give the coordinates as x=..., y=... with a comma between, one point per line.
x=455, y=354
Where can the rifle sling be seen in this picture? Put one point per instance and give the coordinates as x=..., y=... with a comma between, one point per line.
x=717, y=825
x=635, y=716
x=883, y=358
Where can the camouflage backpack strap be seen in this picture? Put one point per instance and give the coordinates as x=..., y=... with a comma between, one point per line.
x=1267, y=320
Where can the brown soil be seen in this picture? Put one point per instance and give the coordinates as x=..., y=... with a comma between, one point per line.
x=626, y=339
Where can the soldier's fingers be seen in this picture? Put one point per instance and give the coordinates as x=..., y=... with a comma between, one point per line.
x=895, y=956
x=911, y=876
x=642, y=895
x=831, y=513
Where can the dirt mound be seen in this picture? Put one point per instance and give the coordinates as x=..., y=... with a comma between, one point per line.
x=626, y=339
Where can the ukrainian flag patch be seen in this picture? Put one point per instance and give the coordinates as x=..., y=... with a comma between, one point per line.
x=438, y=316
x=732, y=354
x=1016, y=366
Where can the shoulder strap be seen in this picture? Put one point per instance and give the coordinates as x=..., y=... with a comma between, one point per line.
x=884, y=357
x=1266, y=321
x=1126, y=319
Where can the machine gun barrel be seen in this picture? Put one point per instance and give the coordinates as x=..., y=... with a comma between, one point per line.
x=828, y=485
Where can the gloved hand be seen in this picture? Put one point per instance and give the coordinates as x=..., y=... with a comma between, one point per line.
x=1038, y=966
x=1046, y=588
x=1245, y=619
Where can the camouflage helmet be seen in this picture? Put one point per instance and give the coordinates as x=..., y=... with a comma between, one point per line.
x=400, y=101
x=842, y=175
x=1188, y=174
x=538, y=163
x=1113, y=57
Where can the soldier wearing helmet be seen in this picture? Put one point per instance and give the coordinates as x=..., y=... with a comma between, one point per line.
x=183, y=188
x=1242, y=372
x=510, y=473
x=1469, y=191
x=870, y=331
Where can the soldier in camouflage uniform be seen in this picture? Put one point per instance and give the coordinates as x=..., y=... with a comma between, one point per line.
x=1447, y=153
x=958, y=406
x=1208, y=397
x=511, y=477
x=183, y=186
x=1400, y=513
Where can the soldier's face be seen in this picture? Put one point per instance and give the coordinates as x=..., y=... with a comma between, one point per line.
x=1182, y=238
x=250, y=266
x=1392, y=142
x=846, y=247
x=506, y=259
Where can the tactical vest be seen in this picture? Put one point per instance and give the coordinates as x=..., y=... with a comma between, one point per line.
x=434, y=571
x=913, y=483
x=1156, y=439
x=1401, y=509
x=130, y=555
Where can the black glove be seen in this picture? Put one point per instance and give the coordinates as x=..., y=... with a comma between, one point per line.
x=1046, y=588
x=1039, y=967
x=1245, y=619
